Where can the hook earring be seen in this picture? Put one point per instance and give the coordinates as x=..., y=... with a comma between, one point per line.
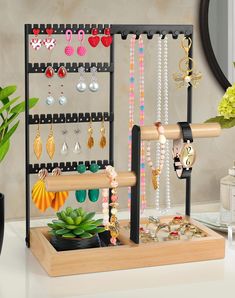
x=81, y=51
x=35, y=42
x=81, y=194
x=93, y=194
x=77, y=148
x=69, y=50
x=37, y=144
x=49, y=42
x=61, y=196
x=62, y=72
x=103, y=137
x=81, y=86
x=90, y=142
x=94, y=86
x=50, y=145
x=187, y=65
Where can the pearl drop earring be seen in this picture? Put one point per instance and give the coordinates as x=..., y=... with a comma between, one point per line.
x=81, y=86
x=93, y=86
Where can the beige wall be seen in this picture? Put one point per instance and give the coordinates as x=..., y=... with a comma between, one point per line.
x=214, y=156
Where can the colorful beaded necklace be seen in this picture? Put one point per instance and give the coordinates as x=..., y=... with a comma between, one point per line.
x=141, y=112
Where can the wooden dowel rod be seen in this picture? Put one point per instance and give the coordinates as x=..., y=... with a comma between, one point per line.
x=173, y=131
x=87, y=181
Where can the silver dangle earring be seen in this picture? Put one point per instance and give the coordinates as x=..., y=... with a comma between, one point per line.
x=81, y=86
x=62, y=99
x=64, y=149
x=94, y=86
x=77, y=147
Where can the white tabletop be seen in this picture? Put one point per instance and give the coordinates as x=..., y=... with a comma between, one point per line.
x=21, y=276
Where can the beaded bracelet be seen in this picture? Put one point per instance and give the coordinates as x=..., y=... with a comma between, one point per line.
x=156, y=171
x=113, y=224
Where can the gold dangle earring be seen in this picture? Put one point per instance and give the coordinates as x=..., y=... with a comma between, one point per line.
x=187, y=75
x=50, y=145
x=37, y=144
x=90, y=142
x=102, y=133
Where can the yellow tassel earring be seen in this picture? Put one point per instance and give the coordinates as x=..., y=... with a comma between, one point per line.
x=103, y=137
x=50, y=145
x=42, y=198
x=90, y=142
x=37, y=144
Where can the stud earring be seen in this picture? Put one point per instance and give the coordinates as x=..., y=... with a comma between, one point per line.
x=35, y=42
x=62, y=72
x=49, y=42
x=93, y=194
x=81, y=194
x=69, y=50
x=64, y=149
x=90, y=142
x=61, y=196
x=42, y=198
x=49, y=73
x=108, y=39
x=187, y=75
x=93, y=86
x=81, y=51
x=77, y=148
x=37, y=144
x=81, y=86
x=94, y=39
x=50, y=145
x=102, y=133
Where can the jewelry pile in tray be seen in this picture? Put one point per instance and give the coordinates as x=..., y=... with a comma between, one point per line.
x=178, y=228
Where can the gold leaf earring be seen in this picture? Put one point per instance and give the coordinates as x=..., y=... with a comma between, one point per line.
x=90, y=142
x=187, y=75
x=37, y=144
x=103, y=137
x=50, y=145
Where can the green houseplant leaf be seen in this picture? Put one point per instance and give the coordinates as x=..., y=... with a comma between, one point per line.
x=8, y=115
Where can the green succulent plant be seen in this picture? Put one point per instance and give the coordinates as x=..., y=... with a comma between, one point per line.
x=75, y=223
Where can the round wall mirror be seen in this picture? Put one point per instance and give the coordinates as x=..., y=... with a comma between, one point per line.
x=217, y=27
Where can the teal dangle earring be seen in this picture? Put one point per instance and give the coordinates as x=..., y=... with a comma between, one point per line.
x=93, y=194
x=81, y=194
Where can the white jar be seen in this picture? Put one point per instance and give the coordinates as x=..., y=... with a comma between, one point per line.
x=227, y=198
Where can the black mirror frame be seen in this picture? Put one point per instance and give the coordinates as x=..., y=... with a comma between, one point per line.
x=207, y=46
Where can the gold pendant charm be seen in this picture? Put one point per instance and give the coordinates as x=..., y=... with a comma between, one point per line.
x=37, y=144
x=155, y=174
x=187, y=75
x=103, y=138
x=90, y=142
x=50, y=145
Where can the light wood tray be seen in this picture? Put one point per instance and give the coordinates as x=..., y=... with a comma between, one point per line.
x=126, y=256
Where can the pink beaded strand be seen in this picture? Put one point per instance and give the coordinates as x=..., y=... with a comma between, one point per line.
x=141, y=112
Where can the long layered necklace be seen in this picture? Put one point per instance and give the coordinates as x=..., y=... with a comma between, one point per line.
x=141, y=112
x=162, y=147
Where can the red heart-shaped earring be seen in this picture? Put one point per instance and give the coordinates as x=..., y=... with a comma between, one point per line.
x=95, y=39
x=108, y=39
x=36, y=42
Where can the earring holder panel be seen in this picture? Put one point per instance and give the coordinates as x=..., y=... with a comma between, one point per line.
x=66, y=166
x=71, y=67
x=61, y=28
x=70, y=118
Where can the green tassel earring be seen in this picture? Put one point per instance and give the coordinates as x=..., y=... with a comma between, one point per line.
x=81, y=194
x=93, y=194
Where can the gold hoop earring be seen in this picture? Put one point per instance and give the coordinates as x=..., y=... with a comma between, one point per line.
x=50, y=145
x=37, y=144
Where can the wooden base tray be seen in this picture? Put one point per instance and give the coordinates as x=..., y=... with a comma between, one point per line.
x=126, y=256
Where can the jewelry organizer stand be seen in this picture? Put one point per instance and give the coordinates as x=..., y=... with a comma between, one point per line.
x=37, y=68
x=131, y=254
